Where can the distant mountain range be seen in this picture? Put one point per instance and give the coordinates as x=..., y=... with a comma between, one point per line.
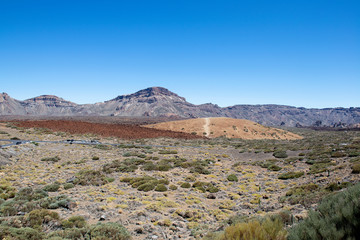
x=160, y=102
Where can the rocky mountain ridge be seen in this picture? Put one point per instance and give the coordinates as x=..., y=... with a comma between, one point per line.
x=160, y=102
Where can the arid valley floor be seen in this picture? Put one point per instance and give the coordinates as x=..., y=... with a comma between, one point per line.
x=169, y=187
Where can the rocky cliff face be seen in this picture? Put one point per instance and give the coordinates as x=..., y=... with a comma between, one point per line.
x=10, y=106
x=157, y=101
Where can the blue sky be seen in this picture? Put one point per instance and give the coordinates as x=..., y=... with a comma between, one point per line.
x=299, y=53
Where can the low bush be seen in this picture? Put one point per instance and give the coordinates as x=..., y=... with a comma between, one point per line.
x=6, y=191
x=338, y=154
x=337, y=217
x=37, y=218
x=280, y=154
x=290, y=175
x=267, y=229
x=68, y=186
x=274, y=167
x=51, y=159
x=109, y=231
x=90, y=177
x=23, y=233
x=168, y=152
x=173, y=187
x=146, y=183
x=161, y=188
x=74, y=222
x=128, y=165
x=304, y=194
x=320, y=167
x=52, y=187
x=185, y=185
x=355, y=168
x=232, y=178
x=205, y=187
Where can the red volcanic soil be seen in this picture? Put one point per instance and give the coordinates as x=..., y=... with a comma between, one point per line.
x=102, y=129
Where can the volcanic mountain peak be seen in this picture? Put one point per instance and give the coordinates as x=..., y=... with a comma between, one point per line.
x=4, y=97
x=150, y=92
x=49, y=100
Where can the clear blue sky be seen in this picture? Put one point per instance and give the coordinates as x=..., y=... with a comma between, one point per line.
x=299, y=52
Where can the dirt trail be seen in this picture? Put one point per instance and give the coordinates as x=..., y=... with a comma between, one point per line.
x=206, y=127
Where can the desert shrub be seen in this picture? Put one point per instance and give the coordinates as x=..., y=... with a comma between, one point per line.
x=290, y=175
x=173, y=187
x=74, y=222
x=164, y=181
x=355, y=168
x=28, y=194
x=100, y=231
x=185, y=185
x=267, y=229
x=145, y=183
x=280, y=154
x=6, y=192
x=146, y=187
x=52, y=187
x=306, y=194
x=168, y=152
x=164, y=167
x=134, y=154
x=338, y=154
x=55, y=202
x=320, y=167
x=232, y=178
x=161, y=188
x=51, y=159
x=68, y=186
x=90, y=177
x=198, y=166
x=39, y=217
x=265, y=164
x=128, y=165
x=337, y=217
x=274, y=167
x=149, y=166
x=95, y=158
x=205, y=187
x=22, y=233
x=109, y=231
x=25, y=201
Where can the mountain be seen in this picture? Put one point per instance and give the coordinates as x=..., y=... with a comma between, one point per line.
x=160, y=102
x=10, y=106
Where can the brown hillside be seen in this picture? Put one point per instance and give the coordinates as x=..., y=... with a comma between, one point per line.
x=228, y=127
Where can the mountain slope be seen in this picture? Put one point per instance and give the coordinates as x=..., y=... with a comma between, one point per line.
x=160, y=102
x=10, y=106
